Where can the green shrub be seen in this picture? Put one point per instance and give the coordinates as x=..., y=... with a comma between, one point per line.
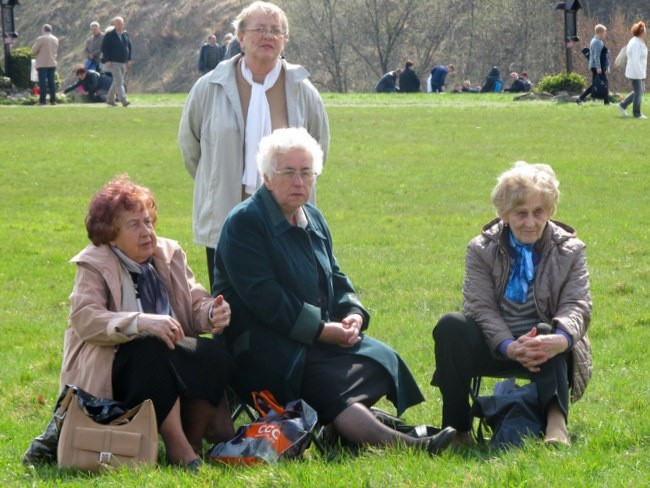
x=20, y=65
x=569, y=82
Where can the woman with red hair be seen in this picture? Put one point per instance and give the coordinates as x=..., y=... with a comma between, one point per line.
x=635, y=70
x=136, y=313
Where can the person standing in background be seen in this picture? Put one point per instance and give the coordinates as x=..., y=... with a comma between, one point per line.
x=209, y=55
x=635, y=70
x=116, y=50
x=234, y=48
x=598, y=62
x=438, y=77
x=45, y=50
x=230, y=109
x=93, y=49
x=225, y=44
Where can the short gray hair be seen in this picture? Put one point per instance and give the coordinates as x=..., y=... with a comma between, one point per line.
x=283, y=141
x=94, y=24
x=515, y=186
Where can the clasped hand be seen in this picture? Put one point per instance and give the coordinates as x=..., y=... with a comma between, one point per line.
x=345, y=333
x=532, y=350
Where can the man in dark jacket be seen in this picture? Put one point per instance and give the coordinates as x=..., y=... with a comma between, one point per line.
x=408, y=80
x=209, y=55
x=116, y=52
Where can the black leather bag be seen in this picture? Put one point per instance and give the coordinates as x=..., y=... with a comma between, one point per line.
x=600, y=88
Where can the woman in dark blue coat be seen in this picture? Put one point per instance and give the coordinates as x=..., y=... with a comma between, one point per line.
x=297, y=324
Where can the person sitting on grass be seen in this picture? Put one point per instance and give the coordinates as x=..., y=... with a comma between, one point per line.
x=388, y=82
x=136, y=313
x=493, y=81
x=517, y=84
x=299, y=328
x=524, y=269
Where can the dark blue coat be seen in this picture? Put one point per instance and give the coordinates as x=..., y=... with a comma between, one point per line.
x=268, y=270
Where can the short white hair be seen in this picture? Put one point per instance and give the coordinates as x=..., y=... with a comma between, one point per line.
x=94, y=24
x=283, y=141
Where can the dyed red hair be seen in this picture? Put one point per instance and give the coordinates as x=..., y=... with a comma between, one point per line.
x=119, y=195
x=638, y=29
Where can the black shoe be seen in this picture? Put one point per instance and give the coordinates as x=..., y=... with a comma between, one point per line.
x=441, y=441
x=418, y=431
x=579, y=101
x=387, y=419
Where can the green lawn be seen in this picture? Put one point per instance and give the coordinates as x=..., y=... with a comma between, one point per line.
x=406, y=186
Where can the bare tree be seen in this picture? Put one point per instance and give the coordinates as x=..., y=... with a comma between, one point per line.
x=378, y=31
x=321, y=35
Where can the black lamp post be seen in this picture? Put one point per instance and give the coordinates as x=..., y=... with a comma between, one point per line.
x=9, y=33
x=570, y=8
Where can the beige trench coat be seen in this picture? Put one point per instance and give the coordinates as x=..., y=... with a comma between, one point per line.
x=103, y=311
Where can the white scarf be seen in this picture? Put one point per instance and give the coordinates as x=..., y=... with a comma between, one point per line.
x=258, y=123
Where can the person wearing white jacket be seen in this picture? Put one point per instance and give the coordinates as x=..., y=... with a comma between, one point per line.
x=635, y=70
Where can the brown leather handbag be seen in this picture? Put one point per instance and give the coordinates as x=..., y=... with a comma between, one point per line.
x=131, y=439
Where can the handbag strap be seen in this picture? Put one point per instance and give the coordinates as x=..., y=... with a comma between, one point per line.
x=265, y=398
x=127, y=416
x=59, y=415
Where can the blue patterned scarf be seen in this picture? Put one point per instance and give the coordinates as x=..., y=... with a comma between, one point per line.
x=523, y=270
x=150, y=290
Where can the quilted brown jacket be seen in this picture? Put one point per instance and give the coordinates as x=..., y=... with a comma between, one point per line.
x=561, y=290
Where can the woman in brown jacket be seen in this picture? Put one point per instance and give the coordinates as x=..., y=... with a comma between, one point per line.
x=523, y=270
x=135, y=316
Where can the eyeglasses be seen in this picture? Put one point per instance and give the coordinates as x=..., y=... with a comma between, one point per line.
x=289, y=174
x=264, y=31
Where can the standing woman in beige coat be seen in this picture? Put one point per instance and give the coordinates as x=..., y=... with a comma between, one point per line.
x=45, y=50
x=136, y=314
x=526, y=306
x=231, y=108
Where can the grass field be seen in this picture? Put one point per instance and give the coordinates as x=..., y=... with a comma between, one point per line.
x=405, y=188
